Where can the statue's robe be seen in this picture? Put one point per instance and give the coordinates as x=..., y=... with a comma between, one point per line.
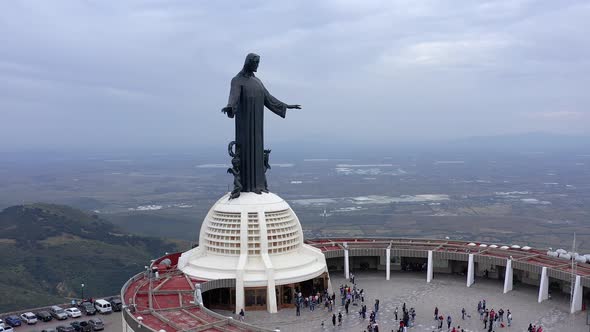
x=247, y=99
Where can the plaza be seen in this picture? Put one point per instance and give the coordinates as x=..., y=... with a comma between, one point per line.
x=446, y=291
x=423, y=273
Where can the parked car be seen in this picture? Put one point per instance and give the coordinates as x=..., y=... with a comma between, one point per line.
x=6, y=329
x=49, y=330
x=103, y=307
x=116, y=304
x=12, y=321
x=87, y=308
x=29, y=318
x=63, y=328
x=44, y=316
x=58, y=313
x=73, y=312
x=96, y=324
x=81, y=326
x=1, y=323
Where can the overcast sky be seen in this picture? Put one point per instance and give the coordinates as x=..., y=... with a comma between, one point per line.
x=156, y=73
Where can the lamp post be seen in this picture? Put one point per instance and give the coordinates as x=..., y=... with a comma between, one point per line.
x=82, y=291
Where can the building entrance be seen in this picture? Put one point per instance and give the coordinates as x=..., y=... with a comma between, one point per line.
x=255, y=298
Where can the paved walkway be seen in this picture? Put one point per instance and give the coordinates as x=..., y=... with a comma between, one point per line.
x=448, y=292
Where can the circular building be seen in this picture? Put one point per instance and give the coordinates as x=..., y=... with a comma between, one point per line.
x=255, y=243
x=164, y=297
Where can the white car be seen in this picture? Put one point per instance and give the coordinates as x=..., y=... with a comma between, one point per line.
x=73, y=312
x=6, y=329
x=29, y=318
x=1, y=323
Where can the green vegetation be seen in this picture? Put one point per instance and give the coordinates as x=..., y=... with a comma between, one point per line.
x=48, y=251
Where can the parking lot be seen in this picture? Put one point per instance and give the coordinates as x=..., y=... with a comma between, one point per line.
x=112, y=323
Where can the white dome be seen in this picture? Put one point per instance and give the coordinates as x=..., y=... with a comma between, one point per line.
x=268, y=216
x=251, y=236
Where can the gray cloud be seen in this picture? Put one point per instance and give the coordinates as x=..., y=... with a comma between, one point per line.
x=156, y=73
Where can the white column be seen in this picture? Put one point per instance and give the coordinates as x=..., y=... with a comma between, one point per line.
x=470, y=271
x=330, y=288
x=240, y=296
x=271, y=295
x=387, y=263
x=508, y=276
x=346, y=267
x=577, y=298
x=429, y=271
x=544, y=286
x=240, y=292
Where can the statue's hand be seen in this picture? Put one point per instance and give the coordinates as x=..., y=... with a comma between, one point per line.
x=228, y=111
x=294, y=106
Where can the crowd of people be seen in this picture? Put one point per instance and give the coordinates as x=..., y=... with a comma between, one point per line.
x=355, y=296
x=352, y=295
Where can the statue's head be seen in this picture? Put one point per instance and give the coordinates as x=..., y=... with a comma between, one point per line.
x=251, y=63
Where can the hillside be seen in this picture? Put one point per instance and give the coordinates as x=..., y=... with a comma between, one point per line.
x=48, y=251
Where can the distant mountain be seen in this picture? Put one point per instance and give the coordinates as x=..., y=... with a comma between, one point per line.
x=537, y=141
x=48, y=251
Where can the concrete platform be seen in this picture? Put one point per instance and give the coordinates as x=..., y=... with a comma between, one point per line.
x=448, y=292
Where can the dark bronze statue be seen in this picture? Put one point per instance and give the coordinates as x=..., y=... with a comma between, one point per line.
x=235, y=169
x=247, y=99
x=266, y=158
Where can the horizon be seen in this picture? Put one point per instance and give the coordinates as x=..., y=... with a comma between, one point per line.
x=513, y=143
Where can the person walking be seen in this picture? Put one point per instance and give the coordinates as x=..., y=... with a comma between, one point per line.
x=509, y=317
x=298, y=309
x=435, y=313
x=334, y=319
x=449, y=320
x=463, y=314
x=242, y=315
x=339, y=319
x=395, y=313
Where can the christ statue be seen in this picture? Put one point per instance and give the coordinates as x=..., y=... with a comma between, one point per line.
x=247, y=99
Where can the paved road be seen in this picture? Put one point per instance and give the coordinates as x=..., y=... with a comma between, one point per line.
x=112, y=323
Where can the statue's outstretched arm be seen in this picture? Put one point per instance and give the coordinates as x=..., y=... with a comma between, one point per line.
x=276, y=106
